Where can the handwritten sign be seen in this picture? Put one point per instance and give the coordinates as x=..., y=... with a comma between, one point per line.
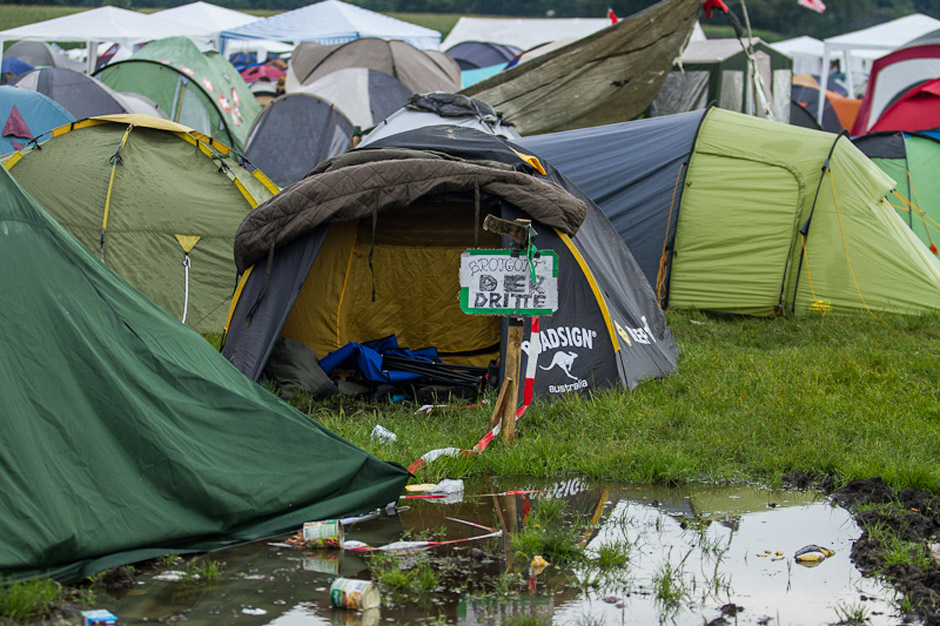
x=493, y=282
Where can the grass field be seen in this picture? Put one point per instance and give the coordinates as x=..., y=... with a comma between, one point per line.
x=752, y=400
x=13, y=15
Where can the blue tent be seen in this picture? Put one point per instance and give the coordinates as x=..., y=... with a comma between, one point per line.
x=333, y=22
x=25, y=115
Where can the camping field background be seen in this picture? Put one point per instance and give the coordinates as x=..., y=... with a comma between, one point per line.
x=13, y=15
x=752, y=399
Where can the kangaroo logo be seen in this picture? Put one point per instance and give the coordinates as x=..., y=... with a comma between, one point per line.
x=564, y=361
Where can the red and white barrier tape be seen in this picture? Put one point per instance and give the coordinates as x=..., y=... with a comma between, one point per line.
x=535, y=347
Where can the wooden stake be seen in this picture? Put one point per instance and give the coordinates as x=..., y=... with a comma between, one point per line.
x=513, y=358
x=500, y=401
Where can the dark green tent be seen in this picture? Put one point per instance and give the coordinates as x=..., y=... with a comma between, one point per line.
x=127, y=436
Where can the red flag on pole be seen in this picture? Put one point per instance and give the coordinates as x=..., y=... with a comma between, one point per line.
x=710, y=5
x=613, y=18
x=816, y=5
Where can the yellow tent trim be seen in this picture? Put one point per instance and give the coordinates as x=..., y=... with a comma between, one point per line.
x=594, y=288
x=241, y=187
x=238, y=293
x=187, y=242
x=61, y=130
x=197, y=139
x=13, y=160
x=531, y=160
x=267, y=182
x=114, y=164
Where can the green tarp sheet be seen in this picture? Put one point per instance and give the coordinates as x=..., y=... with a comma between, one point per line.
x=127, y=436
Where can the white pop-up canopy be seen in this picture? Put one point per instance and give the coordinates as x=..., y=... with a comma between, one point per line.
x=524, y=33
x=872, y=42
x=97, y=25
x=209, y=19
x=332, y=22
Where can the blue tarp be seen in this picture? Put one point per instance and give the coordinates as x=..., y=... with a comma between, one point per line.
x=367, y=358
x=333, y=22
x=469, y=77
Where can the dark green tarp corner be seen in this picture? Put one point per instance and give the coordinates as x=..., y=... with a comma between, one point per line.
x=126, y=435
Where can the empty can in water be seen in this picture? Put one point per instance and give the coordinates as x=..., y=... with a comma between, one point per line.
x=326, y=533
x=351, y=593
x=383, y=434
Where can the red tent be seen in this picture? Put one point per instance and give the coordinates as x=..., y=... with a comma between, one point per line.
x=918, y=109
x=896, y=74
x=262, y=72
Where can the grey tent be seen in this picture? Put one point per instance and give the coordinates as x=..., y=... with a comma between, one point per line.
x=41, y=54
x=368, y=245
x=419, y=70
x=365, y=96
x=294, y=133
x=84, y=96
x=437, y=108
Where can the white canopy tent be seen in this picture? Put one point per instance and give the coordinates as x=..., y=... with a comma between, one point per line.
x=209, y=19
x=332, y=22
x=806, y=52
x=97, y=25
x=526, y=33
x=872, y=42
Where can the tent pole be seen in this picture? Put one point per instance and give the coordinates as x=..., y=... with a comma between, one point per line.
x=848, y=73
x=824, y=77
x=92, y=48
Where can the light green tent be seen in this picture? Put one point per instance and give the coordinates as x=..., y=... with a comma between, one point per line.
x=158, y=203
x=127, y=436
x=201, y=90
x=758, y=230
x=911, y=160
x=729, y=212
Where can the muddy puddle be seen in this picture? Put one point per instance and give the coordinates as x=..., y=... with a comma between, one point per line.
x=631, y=555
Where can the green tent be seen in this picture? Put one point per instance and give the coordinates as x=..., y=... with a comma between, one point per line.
x=911, y=160
x=731, y=212
x=157, y=202
x=740, y=245
x=127, y=436
x=199, y=89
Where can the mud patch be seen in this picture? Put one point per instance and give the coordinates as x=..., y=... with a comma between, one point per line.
x=899, y=533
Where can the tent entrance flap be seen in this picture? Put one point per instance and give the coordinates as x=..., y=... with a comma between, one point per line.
x=744, y=238
x=415, y=261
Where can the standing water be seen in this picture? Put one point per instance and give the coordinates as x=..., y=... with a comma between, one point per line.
x=616, y=555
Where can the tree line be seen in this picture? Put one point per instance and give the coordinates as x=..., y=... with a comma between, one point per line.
x=785, y=17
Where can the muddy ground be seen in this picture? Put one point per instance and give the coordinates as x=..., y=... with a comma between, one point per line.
x=909, y=515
